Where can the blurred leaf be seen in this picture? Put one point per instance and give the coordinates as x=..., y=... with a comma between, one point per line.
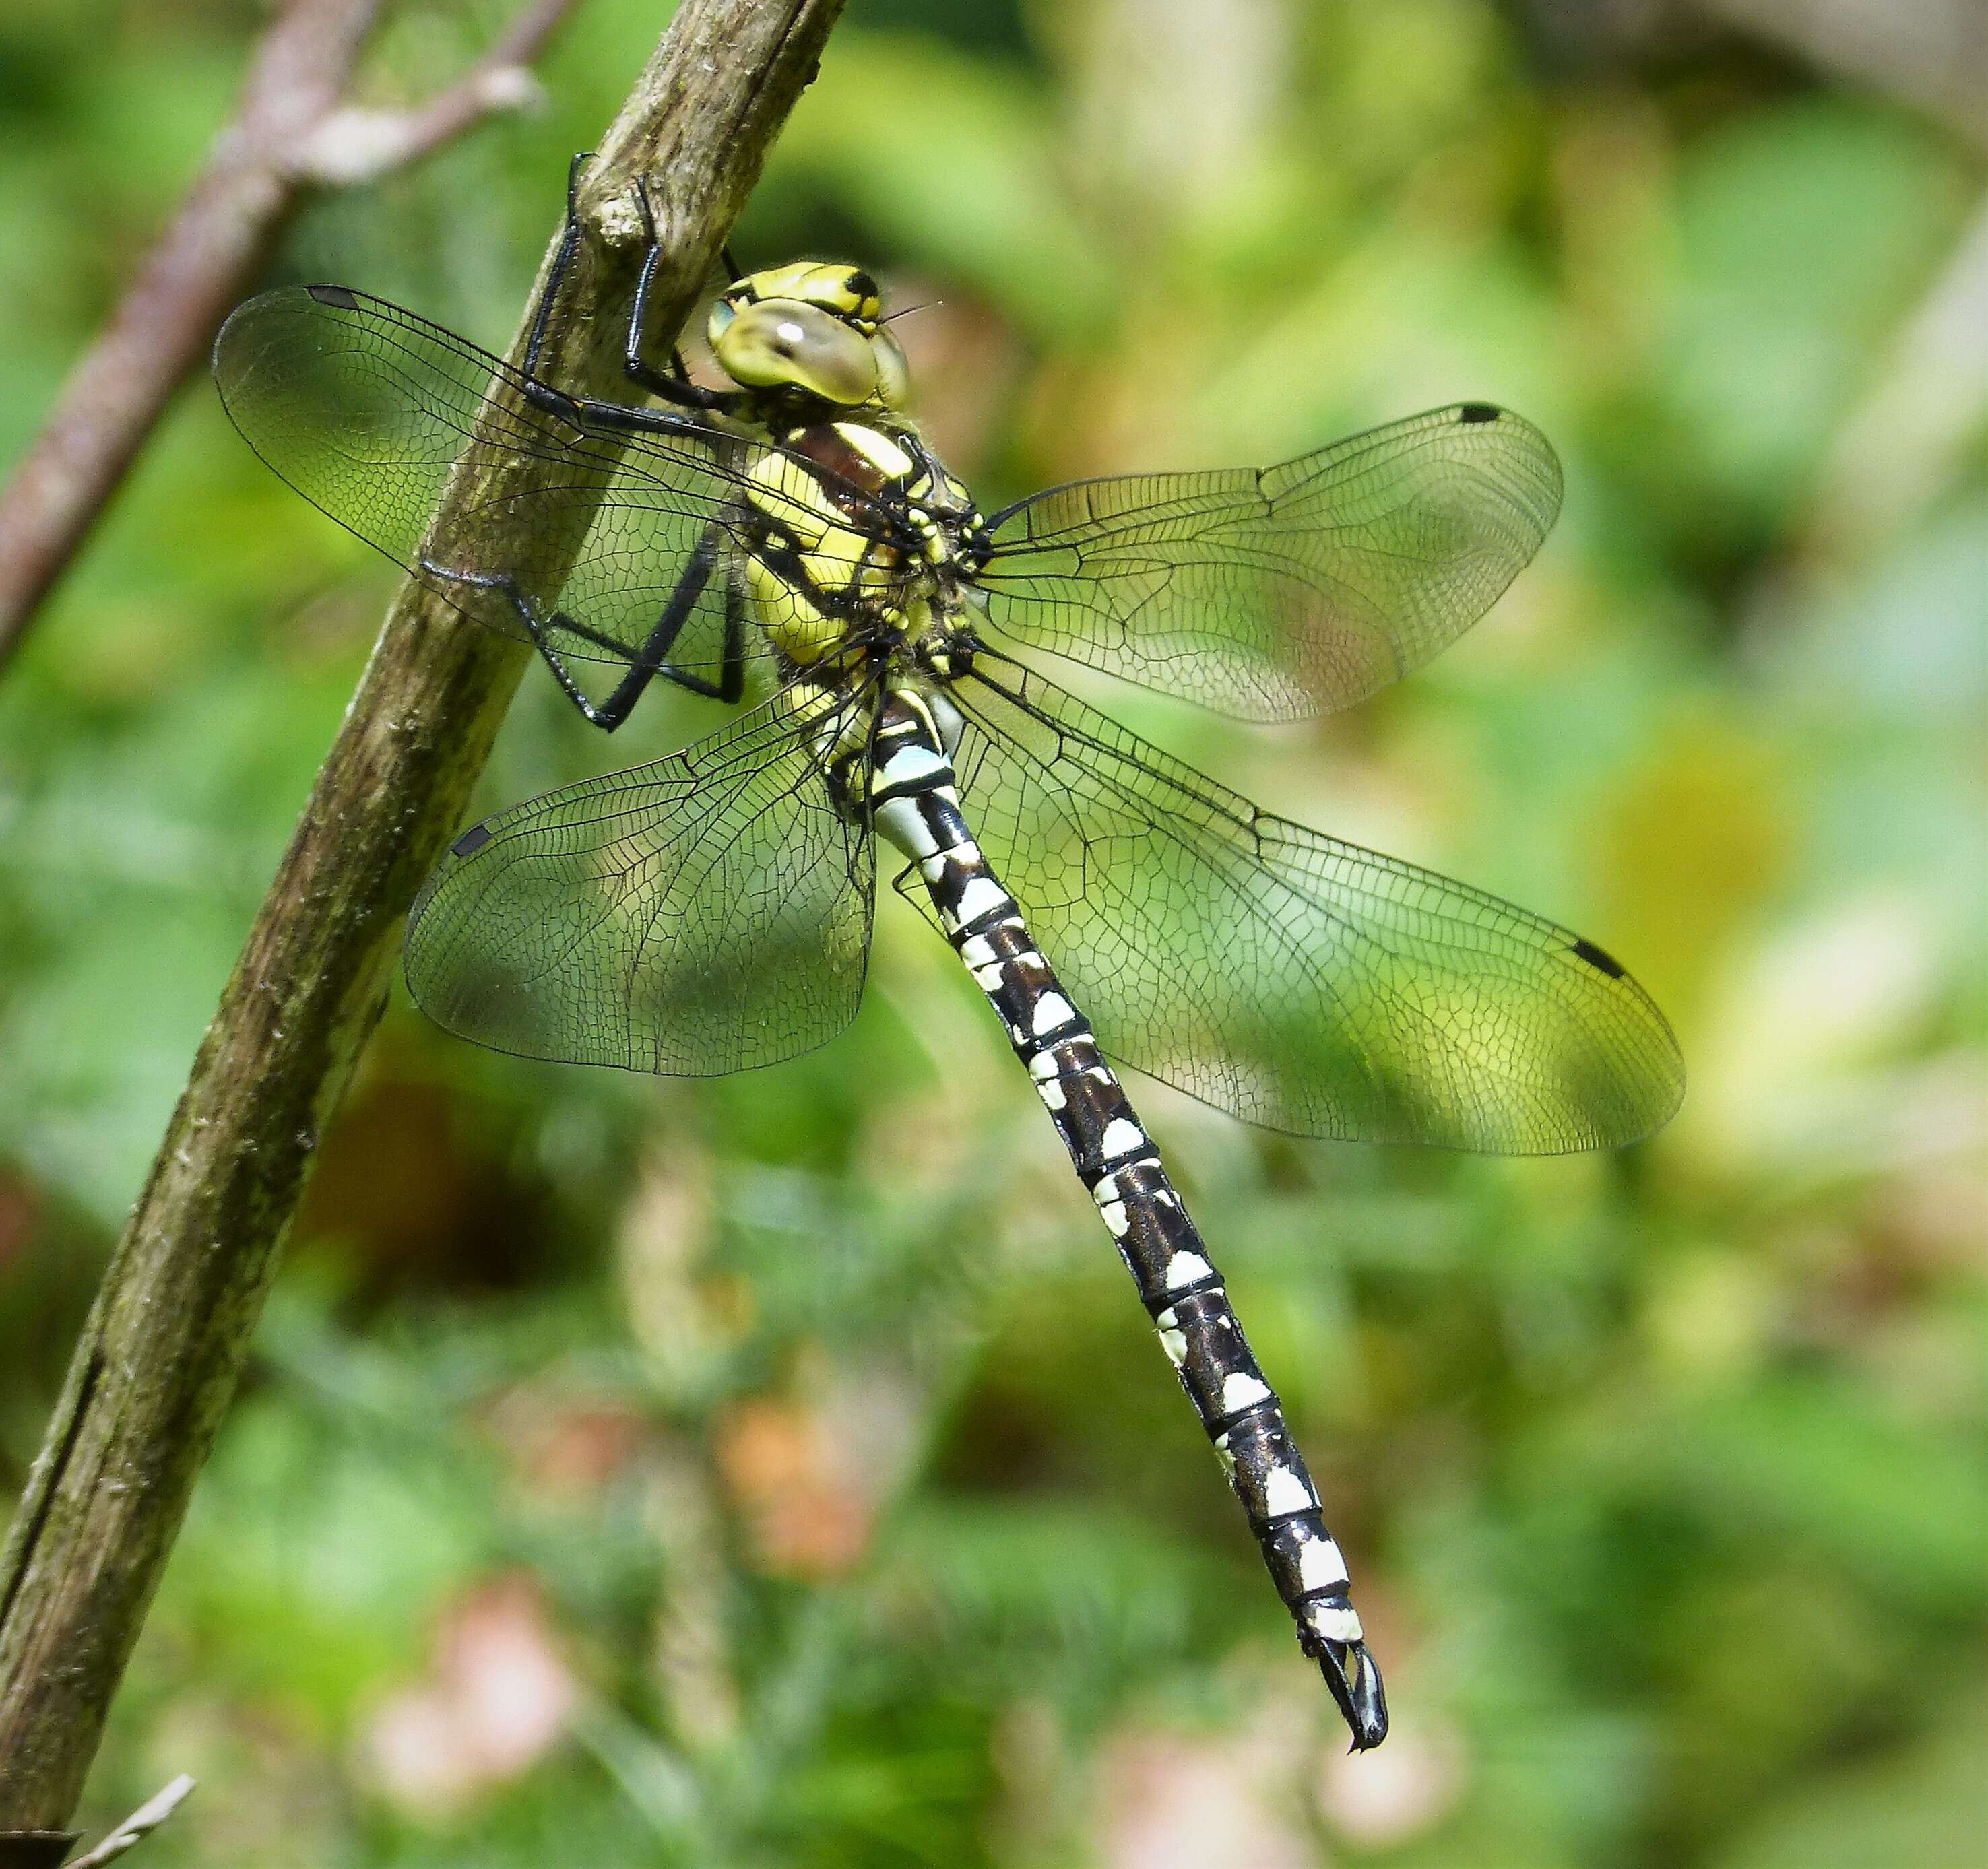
x=1928, y=1805
x=1804, y=230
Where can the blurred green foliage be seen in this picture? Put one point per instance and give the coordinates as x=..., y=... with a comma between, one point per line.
x=775, y=1470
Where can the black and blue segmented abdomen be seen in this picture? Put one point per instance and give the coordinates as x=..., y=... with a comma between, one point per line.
x=915, y=803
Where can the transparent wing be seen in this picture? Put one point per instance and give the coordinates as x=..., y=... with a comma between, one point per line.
x=702, y=914
x=366, y=410
x=1298, y=981
x=1275, y=593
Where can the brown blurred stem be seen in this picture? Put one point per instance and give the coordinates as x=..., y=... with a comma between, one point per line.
x=1933, y=54
x=156, y=1364
x=291, y=133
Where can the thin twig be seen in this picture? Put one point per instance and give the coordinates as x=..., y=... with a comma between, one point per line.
x=156, y=1366
x=291, y=133
x=137, y=1826
x=1933, y=54
x=354, y=145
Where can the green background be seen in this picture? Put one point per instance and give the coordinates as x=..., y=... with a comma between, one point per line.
x=777, y=1469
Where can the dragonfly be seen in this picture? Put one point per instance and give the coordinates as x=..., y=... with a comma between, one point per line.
x=788, y=544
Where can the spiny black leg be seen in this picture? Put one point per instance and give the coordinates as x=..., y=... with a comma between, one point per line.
x=669, y=626
x=590, y=412
x=676, y=388
x=562, y=264
x=732, y=273
x=732, y=670
x=506, y=586
x=610, y=714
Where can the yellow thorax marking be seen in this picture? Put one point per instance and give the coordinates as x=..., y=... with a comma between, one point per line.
x=832, y=553
x=875, y=447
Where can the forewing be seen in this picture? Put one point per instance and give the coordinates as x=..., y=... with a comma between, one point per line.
x=702, y=914
x=1275, y=593
x=366, y=410
x=1301, y=982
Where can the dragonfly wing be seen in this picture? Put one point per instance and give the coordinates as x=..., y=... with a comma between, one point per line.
x=1300, y=982
x=366, y=410
x=702, y=914
x=1275, y=593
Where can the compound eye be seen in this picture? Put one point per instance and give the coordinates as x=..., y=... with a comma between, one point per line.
x=721, y=315
x=894, y=374
x=781, y=342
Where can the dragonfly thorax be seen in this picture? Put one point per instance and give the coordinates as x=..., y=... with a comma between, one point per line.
x=866, y=540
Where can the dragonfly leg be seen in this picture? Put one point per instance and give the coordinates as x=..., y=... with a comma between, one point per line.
x=610, y=714
x=674, y=385
x=562, y=265
x=915, y=800
x=731, y=668
x=589, y=412
x=730, y=682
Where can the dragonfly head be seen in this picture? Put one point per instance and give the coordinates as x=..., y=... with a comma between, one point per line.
x=813, y=327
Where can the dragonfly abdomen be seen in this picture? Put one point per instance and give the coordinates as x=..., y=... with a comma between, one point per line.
x=915, y=805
